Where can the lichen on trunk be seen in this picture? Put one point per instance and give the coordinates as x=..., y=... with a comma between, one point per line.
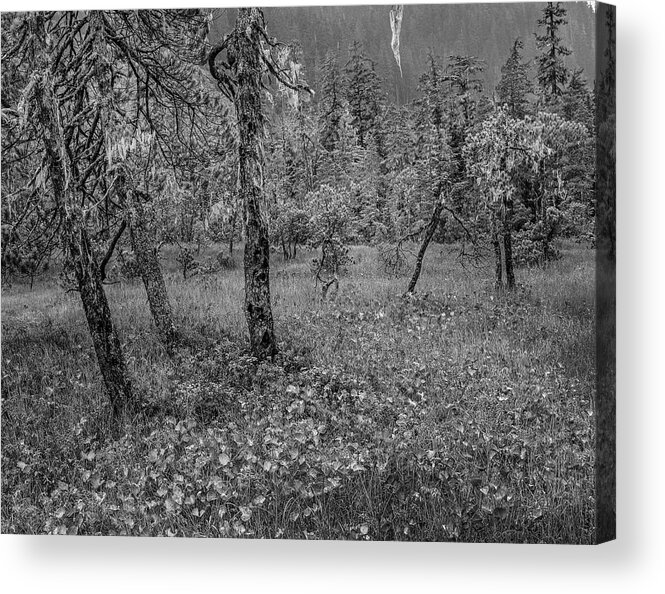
x=79, y=254
x=503, y=248
x=98, y=314
x=249, y=71
x=144, y=249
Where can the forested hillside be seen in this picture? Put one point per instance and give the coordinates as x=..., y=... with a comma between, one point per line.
x=486, y=31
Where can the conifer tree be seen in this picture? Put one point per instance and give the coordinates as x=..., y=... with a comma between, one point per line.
x=363, y=93
x=65, y=113
x=331, y=102
x=462, y=87
x=434, y=156
x=552, y=72
x=462, y=75
x=515, y=86
x=577, y=100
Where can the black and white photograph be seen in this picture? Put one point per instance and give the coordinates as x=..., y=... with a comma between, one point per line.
x=339, y=273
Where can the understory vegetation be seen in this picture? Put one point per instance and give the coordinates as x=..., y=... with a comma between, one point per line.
x=458, y=413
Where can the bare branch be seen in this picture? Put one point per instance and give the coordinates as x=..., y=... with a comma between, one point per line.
x=111, y=249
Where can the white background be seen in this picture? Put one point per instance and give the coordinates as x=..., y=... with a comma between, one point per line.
x=72, y=564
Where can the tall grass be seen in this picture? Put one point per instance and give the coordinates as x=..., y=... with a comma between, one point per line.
x=454, y=414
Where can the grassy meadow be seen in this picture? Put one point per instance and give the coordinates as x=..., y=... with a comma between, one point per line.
x=456, y=414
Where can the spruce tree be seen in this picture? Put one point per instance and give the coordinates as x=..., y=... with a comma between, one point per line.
x=462, y=88
x=552, y=72
x=331, y=102
x=515, y=86
x=363, y=93
x=462, y=75
x=577, y=100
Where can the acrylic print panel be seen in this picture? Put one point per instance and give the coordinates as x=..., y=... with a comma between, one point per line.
x=310, y=273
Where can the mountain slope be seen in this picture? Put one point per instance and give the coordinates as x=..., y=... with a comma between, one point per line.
x=483, y=30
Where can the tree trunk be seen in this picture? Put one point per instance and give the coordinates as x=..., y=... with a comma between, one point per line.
x=429, y=233
x=496, y=242
x=258, y=309
x=503, y=250
x=233, y=231
x=80, y=257
x=148, y=264
x=545, y=241
x=508, y=256
x=98, y=314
